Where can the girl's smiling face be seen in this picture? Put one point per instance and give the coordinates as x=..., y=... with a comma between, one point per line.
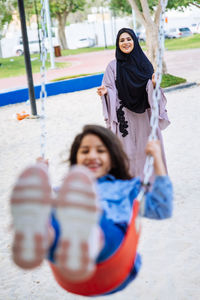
x=93, y=154
x=126, y=43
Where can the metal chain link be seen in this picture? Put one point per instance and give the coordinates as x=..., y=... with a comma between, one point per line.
x=43, y=93
x=148, y=167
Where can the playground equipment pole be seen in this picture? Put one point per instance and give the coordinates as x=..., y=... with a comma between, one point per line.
x=48, y=18
x=38, y=28
x=134, y=20
x=27, y=58
x=104, y=29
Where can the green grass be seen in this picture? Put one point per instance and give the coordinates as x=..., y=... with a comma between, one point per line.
x=170, y=80
x=84, y=50
x=190, y=42
x=15, y=66
x=183, y=43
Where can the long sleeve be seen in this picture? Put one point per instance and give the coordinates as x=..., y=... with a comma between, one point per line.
x=109, y=101
x=163, y=117
x=158, y=203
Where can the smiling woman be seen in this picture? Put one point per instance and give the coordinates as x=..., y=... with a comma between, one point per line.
x=126, y=93
x=126, y=43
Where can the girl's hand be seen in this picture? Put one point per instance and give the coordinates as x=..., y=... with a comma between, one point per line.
x=153, y=148
x=102, y=90
x=42, y=161
x=153, y=80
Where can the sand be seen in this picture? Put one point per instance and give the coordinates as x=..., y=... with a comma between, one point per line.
x=170, y=248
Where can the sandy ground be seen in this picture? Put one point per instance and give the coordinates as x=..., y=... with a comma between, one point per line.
x=170, y=248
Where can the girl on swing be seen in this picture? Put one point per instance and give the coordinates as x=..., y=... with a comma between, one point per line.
x=85, y=224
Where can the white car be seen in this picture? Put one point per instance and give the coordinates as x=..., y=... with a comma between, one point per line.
x=34, y=47
x=86, y=42
x=174, y=33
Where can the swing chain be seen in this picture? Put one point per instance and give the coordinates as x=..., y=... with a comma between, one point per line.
x=43, y=93
x=148, y=167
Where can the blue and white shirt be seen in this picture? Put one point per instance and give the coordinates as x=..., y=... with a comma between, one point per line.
x=117, y=196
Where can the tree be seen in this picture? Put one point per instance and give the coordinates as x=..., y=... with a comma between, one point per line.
x=120, y=6
x=60, y=10
x=6, y=9
x=148, y=13
x=179, y=4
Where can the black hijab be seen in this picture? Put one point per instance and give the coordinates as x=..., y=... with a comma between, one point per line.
x=133, y=72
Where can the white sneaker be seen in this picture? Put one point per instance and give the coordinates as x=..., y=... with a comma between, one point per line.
x=30, y=208
x=78, y=215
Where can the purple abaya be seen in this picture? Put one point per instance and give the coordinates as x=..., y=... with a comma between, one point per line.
x=138, y=124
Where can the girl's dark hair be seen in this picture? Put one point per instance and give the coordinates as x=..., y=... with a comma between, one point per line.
x=119, y=159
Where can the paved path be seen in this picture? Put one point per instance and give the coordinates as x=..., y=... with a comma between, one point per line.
x=184, y=63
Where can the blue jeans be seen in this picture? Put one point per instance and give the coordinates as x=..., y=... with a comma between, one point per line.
x=113, y=236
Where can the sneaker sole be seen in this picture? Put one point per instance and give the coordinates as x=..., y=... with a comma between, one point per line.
x=78, y=213
x=30, y=208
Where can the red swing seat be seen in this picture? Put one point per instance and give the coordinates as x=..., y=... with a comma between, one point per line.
x=110, y=273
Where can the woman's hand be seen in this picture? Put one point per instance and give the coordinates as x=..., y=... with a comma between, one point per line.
x=153, y=80
x=102, y=90
x=153, y=148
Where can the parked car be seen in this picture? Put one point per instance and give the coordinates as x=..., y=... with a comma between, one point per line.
x=86, y=42
x=174, y=33
x=34, y=47
x=185, y=31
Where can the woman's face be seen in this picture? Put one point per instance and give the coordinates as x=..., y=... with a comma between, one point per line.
x=93, y=154
x=126, y=43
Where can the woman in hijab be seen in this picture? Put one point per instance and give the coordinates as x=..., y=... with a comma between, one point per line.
x=126, y=93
